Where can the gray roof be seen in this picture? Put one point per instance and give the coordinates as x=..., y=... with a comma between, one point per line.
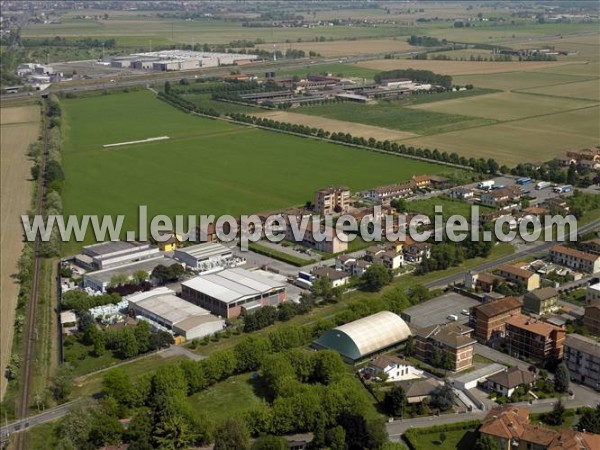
x=204, y=251
x=163, y=303
x=105, y=248
x=194, y=321
x=583, y=344
x=479, y=374
x=104, y=276
x=231, y=285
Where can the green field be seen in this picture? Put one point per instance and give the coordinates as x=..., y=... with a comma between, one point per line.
x=207, y=166
x=240, y=393
x=506, y=105
x=392, y=114
x=455, y=440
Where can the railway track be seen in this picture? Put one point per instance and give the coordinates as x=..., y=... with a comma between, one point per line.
x=30, y=337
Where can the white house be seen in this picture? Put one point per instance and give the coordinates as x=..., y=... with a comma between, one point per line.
x=396, y=369
x=505, y=382
x=337, y=277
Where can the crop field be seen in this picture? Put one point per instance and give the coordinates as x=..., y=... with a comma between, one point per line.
x=346, y=48
x=392, y=114
x=336, y=126
x=346, y=70
x=506, y=105
x=581, y=90
x=20, y=127
x=534, y=139
x=460, y=67
x=206, y=167
x=511, y=81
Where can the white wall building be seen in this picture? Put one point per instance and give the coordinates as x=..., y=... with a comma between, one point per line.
x=391, y=367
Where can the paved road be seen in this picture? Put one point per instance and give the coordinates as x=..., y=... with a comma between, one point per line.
x=46, y=416
x=536, y=248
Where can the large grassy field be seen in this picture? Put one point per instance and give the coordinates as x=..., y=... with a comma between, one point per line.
x=240, y=393
x=207, y=166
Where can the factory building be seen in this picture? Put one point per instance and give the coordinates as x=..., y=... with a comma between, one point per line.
x=114, y=253
x=164, y=310
x=169, y=60
x=206, y=257
x=230, y=292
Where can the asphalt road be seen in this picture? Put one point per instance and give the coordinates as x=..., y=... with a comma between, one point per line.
x=528, y=250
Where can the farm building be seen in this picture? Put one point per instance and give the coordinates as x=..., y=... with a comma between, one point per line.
x=209, y=256
x=114, y=253
x=363, y=337
x=162, y=307
x=101, y=279
x=230, y=292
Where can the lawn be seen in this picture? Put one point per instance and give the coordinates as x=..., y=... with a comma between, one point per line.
x=455, y=440
x=449, y=207
x=239, y=393
x=392, y=114
x=206, y=167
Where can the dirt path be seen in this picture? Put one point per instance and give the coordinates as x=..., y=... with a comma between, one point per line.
x=336, y=126
x=19, y=127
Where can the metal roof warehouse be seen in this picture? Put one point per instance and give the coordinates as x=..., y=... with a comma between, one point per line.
x=230, y=291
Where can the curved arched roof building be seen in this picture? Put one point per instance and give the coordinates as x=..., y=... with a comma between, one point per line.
x=358, y=339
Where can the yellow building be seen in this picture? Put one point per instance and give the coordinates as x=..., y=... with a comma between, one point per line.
x=173, y=242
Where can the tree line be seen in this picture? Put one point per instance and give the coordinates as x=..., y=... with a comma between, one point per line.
x=420, y=76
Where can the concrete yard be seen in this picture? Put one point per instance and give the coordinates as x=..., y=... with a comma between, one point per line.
x=436, y=311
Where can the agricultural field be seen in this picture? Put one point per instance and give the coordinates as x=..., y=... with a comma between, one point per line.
x=506, y=106
x=20, y=126
x=336, y=126
x=206, y=167
x=393, y=115
x=589, y=90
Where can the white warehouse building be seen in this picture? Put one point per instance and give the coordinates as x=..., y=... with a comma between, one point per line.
x=161, y=306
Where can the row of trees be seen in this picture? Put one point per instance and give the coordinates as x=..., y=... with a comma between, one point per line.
x=80, y=301
x=445, y=254
x=419, y=76
x=480, y=165
x=426, y=41
x=186, y=105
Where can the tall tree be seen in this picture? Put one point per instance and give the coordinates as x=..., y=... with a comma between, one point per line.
x=557, y=415
x=561, y=378
x=590, y=420
x=376, y=277
x=486, y=442
x=232, y=435
x=394, y=401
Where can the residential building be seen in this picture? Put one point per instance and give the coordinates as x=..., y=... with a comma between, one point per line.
x=390, y=259
x=106, y=255
x=533, y=339
x=343, y=262
x=484, y=281
x=575, y=259
x=332, y=200
x=416, y=252
x=418, y=390
x=372, y=252
x=385, y=194
x=490, y=318
x=541, y=301
x=556, y=205
x=205, y=257
x=169, y=242
x=591, y=318
x=530, y=280
x=582, y=357
x=510, y=427
x=505, y=382
x=230, y=292
x=359, y=267
x=357, y=340
x=337, y=277
x=328, y=242
x=462, y=193
x=505, y=198
x=592, y=246
x=449, y=345
x=391, y=368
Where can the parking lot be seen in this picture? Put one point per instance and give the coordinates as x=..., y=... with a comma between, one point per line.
x=437, y=310
x=540, y=195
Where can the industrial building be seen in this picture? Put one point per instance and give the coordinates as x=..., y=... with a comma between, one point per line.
x=114, y=253
x=101, y=279
x=206, y=257
x=362, y=338
x=231, y=292
x=164, y=310
x=168, y=60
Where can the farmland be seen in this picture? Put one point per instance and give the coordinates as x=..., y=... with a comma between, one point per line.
x=206, y=167
x=20, y=127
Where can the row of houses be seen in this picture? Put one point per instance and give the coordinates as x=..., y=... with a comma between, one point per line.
x=587, y=158
x=385, y=194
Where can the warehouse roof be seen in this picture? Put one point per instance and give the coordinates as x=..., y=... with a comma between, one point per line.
x=192, y=322
x=230, y=285
x=165, y=304
x=204, y=251
x=362, y=337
